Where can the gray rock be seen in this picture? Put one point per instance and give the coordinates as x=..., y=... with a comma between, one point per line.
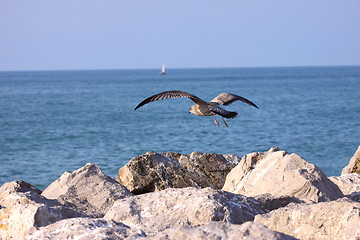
x=354, y=164
x=269, y=202
x=85, y=229
x=87, y=190
x=17, y=186
x=156, y=211
x=279, y=173
x=221, y=231
x=23, y=208
x=347, y=183
x=354, y=196
x=338, y=219
x=153, y=172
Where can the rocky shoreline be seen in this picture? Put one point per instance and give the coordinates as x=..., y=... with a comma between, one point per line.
x=263, y=195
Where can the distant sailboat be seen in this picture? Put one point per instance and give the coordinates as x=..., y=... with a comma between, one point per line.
x=163, y=70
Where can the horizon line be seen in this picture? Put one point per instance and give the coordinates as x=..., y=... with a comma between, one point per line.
x=175, y=68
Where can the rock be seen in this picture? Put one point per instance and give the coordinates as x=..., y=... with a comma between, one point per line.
x=354, y=164
x=23, y=208
x=327, y=220
x=354, y=196
x=269, y=202
x=87, y=189
x=156, y=211
x=232, y=158
x=348, y=183
x=151, y=172
x=85, y=229
x=279, y=173
x=208, y=168
x=17, y=186
x=220, y=230
x=154, y=172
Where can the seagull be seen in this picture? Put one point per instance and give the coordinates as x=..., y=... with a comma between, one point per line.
x=201, y=107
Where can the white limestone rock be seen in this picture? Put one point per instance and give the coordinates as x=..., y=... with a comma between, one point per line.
x=347, y=183
x=354, y=164
x=22, y=209
x=87, y=190
x=280, y=173
x=338, y=219
x=156, y=211
x=221, y=231
x=85, y=229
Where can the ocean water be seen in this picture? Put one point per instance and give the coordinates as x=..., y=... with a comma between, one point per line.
x=57, y=121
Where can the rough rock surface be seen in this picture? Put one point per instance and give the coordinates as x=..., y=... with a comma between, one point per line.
x=348, y=183
x=354, y=164
x=327, y=220
x=15, y=187
x=87, y=189
x=220, y=230
x=156, y=211
x=279, y=185
x=354, y=196
x=279, y=173
x=22, y=208
x=153, y=172
x=269, y=202
x=85, y=229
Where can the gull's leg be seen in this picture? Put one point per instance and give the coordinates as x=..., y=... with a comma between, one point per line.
x=216, y=122
x=225, y=122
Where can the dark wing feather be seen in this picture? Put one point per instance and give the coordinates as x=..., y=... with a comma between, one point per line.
x=224, y=113
x=169, y=94
x=228, y=98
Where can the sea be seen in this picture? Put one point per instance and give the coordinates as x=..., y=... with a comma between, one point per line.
x=57, y=121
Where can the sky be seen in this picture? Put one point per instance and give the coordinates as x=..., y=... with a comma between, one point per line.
x=119, y=34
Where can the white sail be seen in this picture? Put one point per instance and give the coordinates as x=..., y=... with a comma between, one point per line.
x=163, y=70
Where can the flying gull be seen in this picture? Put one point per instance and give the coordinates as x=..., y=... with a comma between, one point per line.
x=201, y=107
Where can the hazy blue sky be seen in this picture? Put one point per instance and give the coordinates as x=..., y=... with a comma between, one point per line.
x=117, y=34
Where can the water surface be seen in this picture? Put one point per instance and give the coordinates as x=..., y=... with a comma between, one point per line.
x=56, y=121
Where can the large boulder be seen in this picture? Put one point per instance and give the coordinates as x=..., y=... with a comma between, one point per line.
x=338, y=219
x=153, y=172
x=280, y=173
x=157, y=211
x=85, y=229
x=220, y=230
x=22, y=209
x=354, y=164
x=87, y=189
x=348, y=183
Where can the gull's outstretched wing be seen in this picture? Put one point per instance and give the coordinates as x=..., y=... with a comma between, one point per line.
x=228, y=98
x=171, y=94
